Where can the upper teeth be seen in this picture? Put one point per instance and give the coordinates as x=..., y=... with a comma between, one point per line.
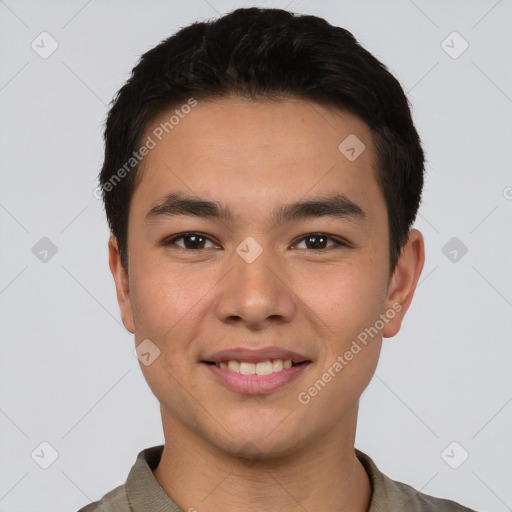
x=261, y=368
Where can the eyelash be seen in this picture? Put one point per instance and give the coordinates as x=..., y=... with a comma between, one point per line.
x=338, y=242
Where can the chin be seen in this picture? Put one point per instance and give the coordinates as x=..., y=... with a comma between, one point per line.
x=259, y=443
x=249, y=451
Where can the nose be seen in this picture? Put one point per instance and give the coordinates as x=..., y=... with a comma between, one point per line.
x=256, y=293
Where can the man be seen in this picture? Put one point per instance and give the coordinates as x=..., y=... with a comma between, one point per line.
x=261, y=177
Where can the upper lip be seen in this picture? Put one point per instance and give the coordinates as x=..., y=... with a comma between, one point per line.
x=255, y=355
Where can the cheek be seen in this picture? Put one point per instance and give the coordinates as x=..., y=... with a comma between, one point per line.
x=332, y=397
x=347, y=299
x=165, y=299
x=166, y=304
x=353, y=344
x=350, y=307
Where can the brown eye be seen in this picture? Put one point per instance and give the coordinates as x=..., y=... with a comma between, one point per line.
x=190, y=241
x=319, y=241
x=316, y=242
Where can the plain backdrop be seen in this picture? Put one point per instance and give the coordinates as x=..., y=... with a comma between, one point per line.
x=443, y=387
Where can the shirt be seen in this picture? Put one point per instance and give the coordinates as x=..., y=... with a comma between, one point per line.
x=142, y=493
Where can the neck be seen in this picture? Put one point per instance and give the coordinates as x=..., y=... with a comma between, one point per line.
x=323, y=476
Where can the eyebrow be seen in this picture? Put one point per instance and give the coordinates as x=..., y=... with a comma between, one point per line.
x=338, y=206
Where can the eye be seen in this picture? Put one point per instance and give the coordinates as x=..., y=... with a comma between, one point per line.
x=318, y=242
x=190, y=241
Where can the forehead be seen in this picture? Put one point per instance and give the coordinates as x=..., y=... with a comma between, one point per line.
x=250, y=153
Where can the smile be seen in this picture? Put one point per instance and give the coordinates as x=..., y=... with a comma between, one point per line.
x=255, y=378
x=255, y=368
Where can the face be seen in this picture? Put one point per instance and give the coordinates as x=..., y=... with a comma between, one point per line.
x=287, y=263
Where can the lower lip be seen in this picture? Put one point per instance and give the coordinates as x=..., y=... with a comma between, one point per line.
x=256, y=384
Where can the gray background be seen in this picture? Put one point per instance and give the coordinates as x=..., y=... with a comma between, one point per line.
x=68, y=373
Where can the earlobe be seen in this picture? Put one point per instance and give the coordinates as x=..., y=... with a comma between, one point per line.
x=404, y=281
x=122, y=284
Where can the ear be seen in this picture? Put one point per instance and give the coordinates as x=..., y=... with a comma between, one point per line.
x=122, y=284
x=404, y=281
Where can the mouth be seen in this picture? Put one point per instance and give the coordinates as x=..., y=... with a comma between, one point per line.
x=266, y=367
x=255, y=372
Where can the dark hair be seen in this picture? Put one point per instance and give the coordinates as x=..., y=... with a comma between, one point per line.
x=266, y=54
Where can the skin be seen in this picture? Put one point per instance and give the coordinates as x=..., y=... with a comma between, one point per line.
x=230, y=451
